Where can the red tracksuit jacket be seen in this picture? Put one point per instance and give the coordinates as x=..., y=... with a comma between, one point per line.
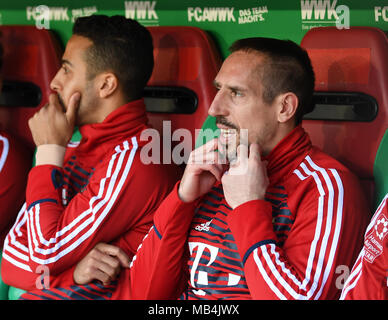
x=369, y=277
x=15, y=162
x=287, y=246
x=102, y=192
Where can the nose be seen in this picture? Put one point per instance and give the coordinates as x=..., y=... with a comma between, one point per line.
x=55, y=83
x=218, y=106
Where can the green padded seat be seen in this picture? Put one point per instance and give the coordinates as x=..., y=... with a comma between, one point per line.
x=206, y=135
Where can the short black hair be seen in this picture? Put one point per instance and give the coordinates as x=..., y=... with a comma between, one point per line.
x=120, y=45
x=286, y=68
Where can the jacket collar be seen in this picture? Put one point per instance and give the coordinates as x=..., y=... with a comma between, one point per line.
x=124, y=122
x=287, y=154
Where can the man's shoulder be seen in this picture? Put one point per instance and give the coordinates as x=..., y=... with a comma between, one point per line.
x=320, y=160
x=150, y=170
x=318, y=167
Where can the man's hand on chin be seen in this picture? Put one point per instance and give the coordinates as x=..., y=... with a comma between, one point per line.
x=51, y=129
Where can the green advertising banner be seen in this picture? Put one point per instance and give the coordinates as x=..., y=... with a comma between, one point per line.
x=225, y=20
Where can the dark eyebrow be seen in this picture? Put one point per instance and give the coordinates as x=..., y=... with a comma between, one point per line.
x=64, y=61
x=236, y=88
x=233, y=88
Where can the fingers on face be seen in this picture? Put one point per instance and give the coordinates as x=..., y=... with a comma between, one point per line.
x=73, y=106
x=254, y=153
x=53, y=104
x=247, y=162
x=204, y=157
x=42, y=112
x=210, y=145
x=254, y=149
x=53, y=98
x=208, y=158
x=216, y=169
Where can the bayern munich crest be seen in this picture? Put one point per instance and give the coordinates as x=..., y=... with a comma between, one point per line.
x=373, y=244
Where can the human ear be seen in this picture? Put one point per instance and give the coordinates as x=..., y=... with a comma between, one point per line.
x=288, y=105
x=107, y=84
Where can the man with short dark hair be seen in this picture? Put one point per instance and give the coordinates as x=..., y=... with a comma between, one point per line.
x=280, y=72
x=278, y=219
x=274, y=221
x=98, y=190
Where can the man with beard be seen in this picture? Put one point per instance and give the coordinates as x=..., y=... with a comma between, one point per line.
x=272, y=222
x=98, y=190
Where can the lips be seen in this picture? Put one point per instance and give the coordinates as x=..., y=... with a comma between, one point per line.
x=228, y=131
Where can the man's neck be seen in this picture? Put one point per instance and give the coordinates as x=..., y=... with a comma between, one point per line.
x=283, y=131
x=105, y=108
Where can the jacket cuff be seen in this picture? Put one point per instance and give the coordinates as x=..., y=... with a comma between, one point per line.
x=251, y=226
x=174, y=214
x=64, y=279
x=44, y=185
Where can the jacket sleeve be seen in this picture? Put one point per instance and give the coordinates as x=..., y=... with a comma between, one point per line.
x=14, y=166
x=368, y=278
x=159, y=268
x=115, y=199
x=305, y=266
x=29, y=281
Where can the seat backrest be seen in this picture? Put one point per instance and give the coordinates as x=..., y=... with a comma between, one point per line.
x=31, y=59
x=181, y=86
x=351, y=70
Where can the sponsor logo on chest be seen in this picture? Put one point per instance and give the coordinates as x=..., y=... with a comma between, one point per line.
x=373, y=243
